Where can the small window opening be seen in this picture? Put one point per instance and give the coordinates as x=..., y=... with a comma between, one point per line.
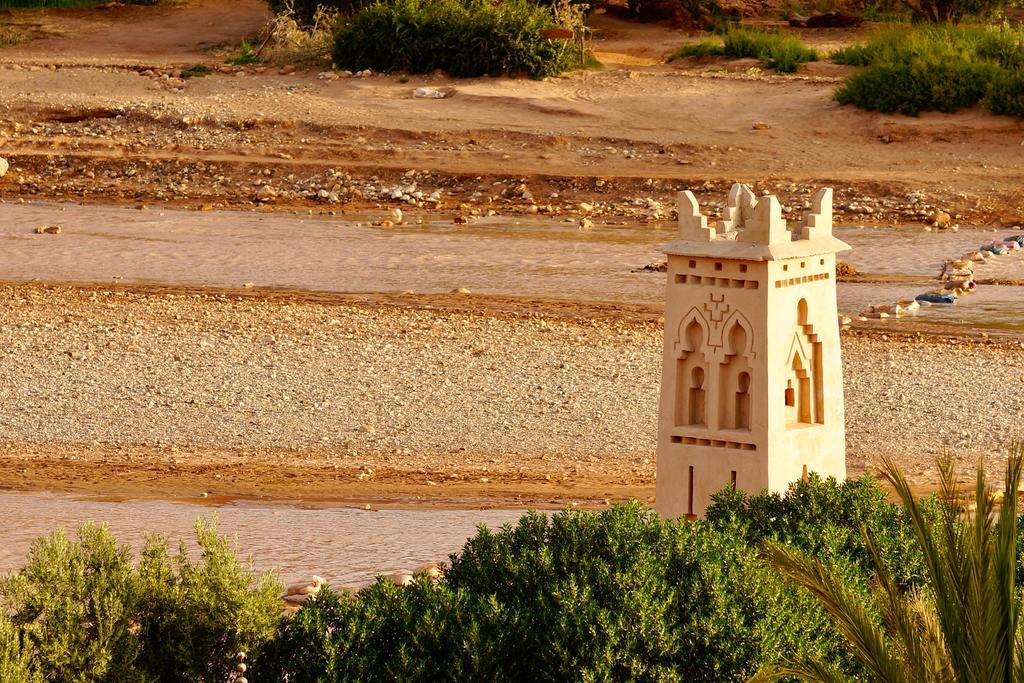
x=785, y=266
x=718, y=265
x=734, y=479
x=790, y=397
x=822, y=261
x=693, y=264
x=690, y=505
x=743, y=267
x=802, y=476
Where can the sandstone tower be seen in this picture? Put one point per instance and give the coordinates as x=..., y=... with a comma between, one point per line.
x=751, y=385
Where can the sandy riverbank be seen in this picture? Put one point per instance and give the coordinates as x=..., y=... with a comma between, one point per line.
x=104, y=117
x=180, y=393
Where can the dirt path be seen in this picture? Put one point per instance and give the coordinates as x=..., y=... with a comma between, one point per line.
x=169, y=34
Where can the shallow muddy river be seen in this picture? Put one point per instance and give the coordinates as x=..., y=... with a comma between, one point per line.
x=536, y=257
x=348, y=547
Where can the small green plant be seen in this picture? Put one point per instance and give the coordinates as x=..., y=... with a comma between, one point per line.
x=244, y=55
x=780, y=51
x=702, y=48
x=196, y=71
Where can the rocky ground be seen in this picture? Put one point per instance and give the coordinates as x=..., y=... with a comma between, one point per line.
x=107, y=117
x=136, y=392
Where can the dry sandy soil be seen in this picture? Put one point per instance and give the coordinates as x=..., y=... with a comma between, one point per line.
x=97, y=113
x=451, y=400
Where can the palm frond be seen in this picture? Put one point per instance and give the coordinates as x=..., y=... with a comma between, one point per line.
x=852, y=619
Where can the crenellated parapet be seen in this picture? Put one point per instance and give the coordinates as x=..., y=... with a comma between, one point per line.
x=756, y=227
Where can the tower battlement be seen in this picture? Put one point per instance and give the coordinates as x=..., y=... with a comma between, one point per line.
x=751, y=390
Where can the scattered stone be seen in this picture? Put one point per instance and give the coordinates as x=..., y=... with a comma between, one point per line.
x=306, y=589
x=48, y=230
x=5, y=166
x=401, y=580
x=432, y=570
x=844, y=269
x=265, y=194
x=760, y=125
x=460, y=290
x=430, y=93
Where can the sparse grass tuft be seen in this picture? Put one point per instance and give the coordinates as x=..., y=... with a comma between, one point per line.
x=196, y=70
x=10, y=36
x=243, y=55
x=780, y=51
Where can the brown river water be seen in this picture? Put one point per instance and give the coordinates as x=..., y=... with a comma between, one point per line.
x=346, y=546
x=536, y=257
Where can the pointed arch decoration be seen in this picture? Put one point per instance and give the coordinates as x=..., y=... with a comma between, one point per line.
x=691, y=349
x=805, y=403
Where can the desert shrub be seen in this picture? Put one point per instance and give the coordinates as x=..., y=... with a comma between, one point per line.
x=420, y=632
x=75, y=602
x=305, y=11
x=616, y=595
x=1004, y=46
x=780, y=51
x=82, y=610
x=1006, y=95
x=940, y=68
x=460, y=37
x=925, y=84
x=196, y=616
x=15, y=655
x=293, y=40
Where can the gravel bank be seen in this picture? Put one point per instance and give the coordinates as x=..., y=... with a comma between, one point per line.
x=114, y=370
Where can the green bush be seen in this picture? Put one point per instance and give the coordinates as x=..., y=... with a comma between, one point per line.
x=780, y=51
x=934, y=68
x=82, y=611
x=76, y=603
x=1006, y=96
x=15, y=655
x=460, y=37
x=616, y=595
x=824, y=518
x=196, y=616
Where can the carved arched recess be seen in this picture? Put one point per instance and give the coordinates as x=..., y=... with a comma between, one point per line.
x=692, y=355
x=736, y=374
x=805, y=402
